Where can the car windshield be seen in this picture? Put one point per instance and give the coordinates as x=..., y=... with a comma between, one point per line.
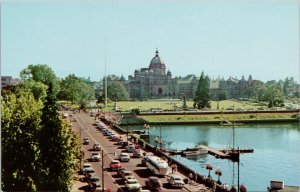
x=177, y=178
x=95, y=153
x=114, y=162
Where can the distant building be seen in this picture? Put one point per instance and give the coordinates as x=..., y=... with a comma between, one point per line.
x=154, y=82
x=8, y=80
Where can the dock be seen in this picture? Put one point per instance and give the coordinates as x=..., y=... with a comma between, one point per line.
x=232, y=154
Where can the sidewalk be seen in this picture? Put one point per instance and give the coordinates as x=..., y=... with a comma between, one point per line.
x=196, y=187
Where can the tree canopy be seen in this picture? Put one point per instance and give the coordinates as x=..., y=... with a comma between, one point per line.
x=116, y=91
x=38, y=147
x=41, y=73
x=76, y=90
x=202, y=99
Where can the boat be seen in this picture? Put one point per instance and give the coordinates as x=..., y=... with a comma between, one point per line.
x=199, y=150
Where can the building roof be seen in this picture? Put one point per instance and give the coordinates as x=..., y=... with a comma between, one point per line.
x=156, y=62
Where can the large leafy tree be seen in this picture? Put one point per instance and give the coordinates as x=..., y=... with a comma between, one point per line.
x=256, y=89
x=76, y=90
x=202, y=99
x=116, y=91
x=273, y=95
x=59, y=149
x=20, y=123
x=41, y=73
x=38, y=89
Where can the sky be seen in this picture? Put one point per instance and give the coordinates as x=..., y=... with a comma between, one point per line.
x=222, y=38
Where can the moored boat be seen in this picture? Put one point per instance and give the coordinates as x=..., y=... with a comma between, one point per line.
x=199, y=150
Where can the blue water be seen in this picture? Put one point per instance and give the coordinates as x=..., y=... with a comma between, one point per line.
x=276, y=151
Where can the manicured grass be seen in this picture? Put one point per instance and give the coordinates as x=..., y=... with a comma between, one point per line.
x=172, y=104
x=218, y=117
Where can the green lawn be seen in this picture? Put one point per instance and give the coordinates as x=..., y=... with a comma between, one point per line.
x=171, y=105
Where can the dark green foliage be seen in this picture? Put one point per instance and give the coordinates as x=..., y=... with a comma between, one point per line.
x=59, y=149
x=202, y=99
x=222, y=96
x=76, y=90
x=116, y=91
x=41, y=73
x=39, y=150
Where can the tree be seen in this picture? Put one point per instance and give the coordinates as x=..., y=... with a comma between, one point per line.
x=116, y=91
x=59, y=149
x=76, y=90
x=273, y=95
x=222, y=96
x=20, y=123
x=202, y=99
x=41, y=73
x=256, y=89
x=38, y=89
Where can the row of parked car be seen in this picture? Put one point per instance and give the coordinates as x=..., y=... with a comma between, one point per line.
x=131, y=183
x=91, y=177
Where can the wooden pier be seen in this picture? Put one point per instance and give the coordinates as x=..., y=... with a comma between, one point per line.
x=232, y=154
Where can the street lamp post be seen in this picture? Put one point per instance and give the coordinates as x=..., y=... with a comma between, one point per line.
x=209, y=167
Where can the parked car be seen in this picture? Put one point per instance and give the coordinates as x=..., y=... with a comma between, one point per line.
x=96, y=147
x=175, y=181
x=86, y=141
x=132, y=185
x=124, y=157
x=120, y=171
x=123, y=143
x=153, y=183
x=95, y=156
x=87, y=168
x=112, y=135
x=94, y=182
x=125, y=174
x=115, y=165
x=130, y=148
x=137, y=153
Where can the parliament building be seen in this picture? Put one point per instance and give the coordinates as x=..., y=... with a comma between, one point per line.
x=155, y=82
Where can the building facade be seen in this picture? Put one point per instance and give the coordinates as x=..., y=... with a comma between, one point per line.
x=155, y=82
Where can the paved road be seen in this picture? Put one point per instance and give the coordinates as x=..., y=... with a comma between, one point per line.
x=112, y=180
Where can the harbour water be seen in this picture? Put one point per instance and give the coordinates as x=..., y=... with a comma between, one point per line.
x=276, y=151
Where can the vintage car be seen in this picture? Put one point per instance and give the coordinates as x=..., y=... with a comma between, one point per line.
x=115, y=165
x=124, y=157
x=175, y=181
x=153, y=183
x=132, y=185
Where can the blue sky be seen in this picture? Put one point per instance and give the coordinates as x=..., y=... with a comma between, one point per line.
x=221, y=38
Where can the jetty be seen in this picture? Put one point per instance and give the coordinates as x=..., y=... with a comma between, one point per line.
x=232, y=154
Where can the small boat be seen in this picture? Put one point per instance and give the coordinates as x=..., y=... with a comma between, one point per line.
x=199, y=150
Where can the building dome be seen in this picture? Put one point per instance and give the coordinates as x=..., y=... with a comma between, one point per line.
x=156, y=62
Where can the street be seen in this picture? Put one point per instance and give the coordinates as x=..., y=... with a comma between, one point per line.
x=85, y=127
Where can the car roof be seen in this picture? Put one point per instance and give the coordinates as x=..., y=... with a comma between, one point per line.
x=127, y=171
x=176, y=176
x=115, y=161
x=132, y=180
x=124, y=154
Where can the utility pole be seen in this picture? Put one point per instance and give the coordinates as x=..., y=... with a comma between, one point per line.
x=105, y=75
x=102, y=166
